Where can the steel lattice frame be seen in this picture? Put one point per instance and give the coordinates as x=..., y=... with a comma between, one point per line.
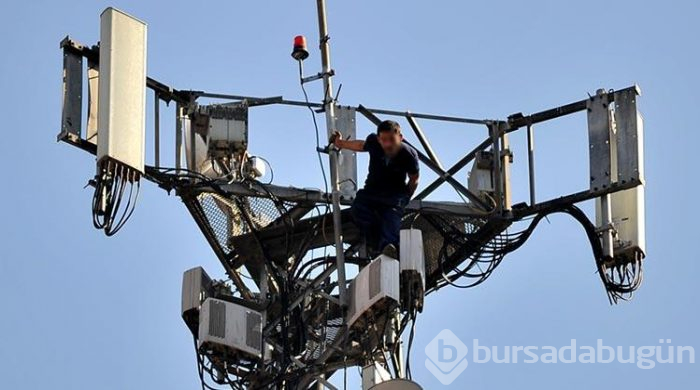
x=269, y=231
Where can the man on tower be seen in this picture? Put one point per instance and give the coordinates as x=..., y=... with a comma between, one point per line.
x=378, y=207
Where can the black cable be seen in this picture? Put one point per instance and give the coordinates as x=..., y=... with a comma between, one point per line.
x=201, y=368
x=313, y=116
x=282, y=210
x=110, y=185
x=318, y=138
x=410, y=344
x=620, y=279
x=130, y=207
x=318, y=142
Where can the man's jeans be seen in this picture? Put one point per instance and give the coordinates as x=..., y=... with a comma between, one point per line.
x=379, y=218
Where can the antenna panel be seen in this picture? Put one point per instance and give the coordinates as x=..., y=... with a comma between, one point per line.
x=122, y=89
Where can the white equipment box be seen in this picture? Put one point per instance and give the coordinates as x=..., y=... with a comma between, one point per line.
x=121, y=112
x=628, y=220
x=229, y=327
x=224, y=127
x=375, y=287
x=412, y=268
x=480, y=179
x=195, y=289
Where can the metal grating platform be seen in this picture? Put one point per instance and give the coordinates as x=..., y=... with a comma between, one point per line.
x=249, y=230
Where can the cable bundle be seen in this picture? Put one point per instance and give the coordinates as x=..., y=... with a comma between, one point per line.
x=621, y=277
x=109, y=211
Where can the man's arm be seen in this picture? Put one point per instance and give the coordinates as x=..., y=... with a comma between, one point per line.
x=412, y=184
x=355, y=145
x=413, y=170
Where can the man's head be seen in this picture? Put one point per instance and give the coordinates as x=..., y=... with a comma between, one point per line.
x=390, y=137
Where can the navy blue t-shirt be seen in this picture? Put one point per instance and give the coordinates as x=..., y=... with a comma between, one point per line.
x=387, y=176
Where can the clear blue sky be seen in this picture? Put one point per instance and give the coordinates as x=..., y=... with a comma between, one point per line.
x=81, y=311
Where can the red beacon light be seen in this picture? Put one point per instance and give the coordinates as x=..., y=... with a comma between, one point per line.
x=300, y=52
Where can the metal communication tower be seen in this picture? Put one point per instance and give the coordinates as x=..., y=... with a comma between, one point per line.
x=299, y=319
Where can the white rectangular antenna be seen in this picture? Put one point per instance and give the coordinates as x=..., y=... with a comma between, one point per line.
x=122, y=89
x=617, y=154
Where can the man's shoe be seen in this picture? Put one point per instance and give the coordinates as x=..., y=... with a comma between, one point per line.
x=390, y=250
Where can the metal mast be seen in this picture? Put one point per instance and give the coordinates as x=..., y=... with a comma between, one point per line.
x=329, y=108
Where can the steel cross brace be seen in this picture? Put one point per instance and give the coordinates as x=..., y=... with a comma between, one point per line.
x=435, y=167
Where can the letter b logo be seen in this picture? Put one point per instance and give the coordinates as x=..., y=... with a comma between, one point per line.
x=446, y=357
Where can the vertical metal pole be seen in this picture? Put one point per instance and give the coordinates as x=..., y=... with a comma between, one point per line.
x=329, y=108
x=393, y=338
x=498, y=178
x=190, y=159
x=607, y=232
x=178, y=136
x=156, y=125
x=264, y=290
x=505, y=167
x=531, y=162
